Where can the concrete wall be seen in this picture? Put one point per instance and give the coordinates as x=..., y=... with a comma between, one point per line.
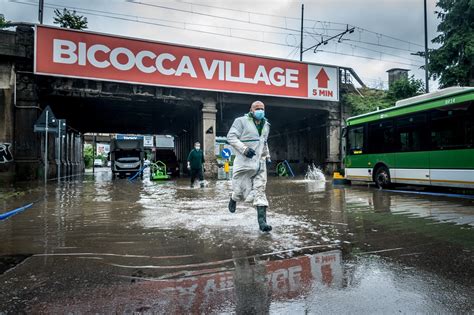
x=7, y=165
x=20, y=107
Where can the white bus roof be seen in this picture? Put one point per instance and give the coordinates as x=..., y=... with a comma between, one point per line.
x=419, y=98
x=437, y=94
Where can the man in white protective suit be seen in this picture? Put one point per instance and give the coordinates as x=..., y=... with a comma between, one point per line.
x=248, y=136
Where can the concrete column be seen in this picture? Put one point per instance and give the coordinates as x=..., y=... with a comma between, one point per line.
x=209, y=135
x=333, y=161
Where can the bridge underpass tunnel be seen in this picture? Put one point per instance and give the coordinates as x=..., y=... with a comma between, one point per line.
x=127, y=114
x=301, y=132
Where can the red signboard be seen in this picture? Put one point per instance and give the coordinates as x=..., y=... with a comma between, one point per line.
x=78, y=54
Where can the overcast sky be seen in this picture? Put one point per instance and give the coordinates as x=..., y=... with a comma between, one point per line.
x=387, y=30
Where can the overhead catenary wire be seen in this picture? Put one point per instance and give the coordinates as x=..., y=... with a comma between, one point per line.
x=261, y=14
x=210, y=15
x=86, y=11
x=371, y=58
x=369, y=49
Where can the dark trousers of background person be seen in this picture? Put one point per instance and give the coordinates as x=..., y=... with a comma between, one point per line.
x=196, y=173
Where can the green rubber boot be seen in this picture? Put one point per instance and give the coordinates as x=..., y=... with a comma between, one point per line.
x=262, y=219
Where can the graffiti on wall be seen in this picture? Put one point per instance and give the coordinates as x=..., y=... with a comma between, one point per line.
x=5, y=153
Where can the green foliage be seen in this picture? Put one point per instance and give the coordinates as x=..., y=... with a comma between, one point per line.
x=69, y=19
x=371, y=99
x=3, y=21
x=452, y=63
x=88, y=155
x=103, y=157
x=405, y=88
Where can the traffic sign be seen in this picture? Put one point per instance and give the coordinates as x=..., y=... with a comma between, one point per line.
x=226, y=153
x=46, y=119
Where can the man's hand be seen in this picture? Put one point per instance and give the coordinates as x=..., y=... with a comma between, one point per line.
x=189, y=166
x=249, y=152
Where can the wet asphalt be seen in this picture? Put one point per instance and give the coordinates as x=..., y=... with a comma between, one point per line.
x=96, y=245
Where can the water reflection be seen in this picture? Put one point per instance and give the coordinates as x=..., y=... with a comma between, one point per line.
x=440, y=209
x=250, y=286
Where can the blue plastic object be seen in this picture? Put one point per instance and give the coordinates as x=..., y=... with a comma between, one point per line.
x=8, y=214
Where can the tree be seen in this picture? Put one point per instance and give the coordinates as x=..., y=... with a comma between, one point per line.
x=88, y=155
x=452, y=63
x=3, y=21
x=368, y=101
x=372, y=99
x=69, y=19
x=405, y=88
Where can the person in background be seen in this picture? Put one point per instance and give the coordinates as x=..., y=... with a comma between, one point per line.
x=195, y=164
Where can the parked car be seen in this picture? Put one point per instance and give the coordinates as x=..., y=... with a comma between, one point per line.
x=98, y=163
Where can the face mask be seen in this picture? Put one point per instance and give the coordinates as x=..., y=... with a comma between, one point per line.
x=259, y=114
x=197, y=148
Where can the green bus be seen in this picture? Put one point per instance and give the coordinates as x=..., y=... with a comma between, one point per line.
x=423, y=140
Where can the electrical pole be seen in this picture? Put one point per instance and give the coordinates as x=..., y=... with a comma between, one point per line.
x=427, y=77
x=301, y=33
x=40, y=11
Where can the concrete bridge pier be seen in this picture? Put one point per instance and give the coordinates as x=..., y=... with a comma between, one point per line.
x=209, y=135
x=333, y=160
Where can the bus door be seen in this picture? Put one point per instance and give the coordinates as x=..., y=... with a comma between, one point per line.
x=356, y=162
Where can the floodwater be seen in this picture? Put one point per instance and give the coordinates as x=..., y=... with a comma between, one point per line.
x=97, y=245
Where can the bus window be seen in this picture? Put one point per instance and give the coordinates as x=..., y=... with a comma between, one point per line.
x=381, y=137
x=355, y=140
x=411, y=133
x=452, y=127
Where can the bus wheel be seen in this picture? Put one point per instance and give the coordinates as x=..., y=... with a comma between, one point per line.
x=382, y=177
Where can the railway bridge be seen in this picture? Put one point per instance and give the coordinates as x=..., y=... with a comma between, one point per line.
x=101, y=83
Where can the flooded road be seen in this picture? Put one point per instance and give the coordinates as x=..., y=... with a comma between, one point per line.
x=96, y=245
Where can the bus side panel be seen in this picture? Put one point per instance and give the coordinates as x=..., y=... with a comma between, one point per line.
x=454, y=168
x=412, y=168
x=386, y=158
x=356, y=167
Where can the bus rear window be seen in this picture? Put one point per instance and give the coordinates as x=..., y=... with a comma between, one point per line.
x=355, y=139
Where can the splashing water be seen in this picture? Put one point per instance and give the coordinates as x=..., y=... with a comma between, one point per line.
x=314, y=174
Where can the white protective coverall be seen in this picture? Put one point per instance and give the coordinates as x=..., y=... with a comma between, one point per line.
x=249, y=174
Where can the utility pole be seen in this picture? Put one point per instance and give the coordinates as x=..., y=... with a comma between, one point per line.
x=301, y=32
x=40, y=11
x=427, y=77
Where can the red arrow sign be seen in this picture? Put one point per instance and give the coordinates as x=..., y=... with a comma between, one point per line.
x=323, y=79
